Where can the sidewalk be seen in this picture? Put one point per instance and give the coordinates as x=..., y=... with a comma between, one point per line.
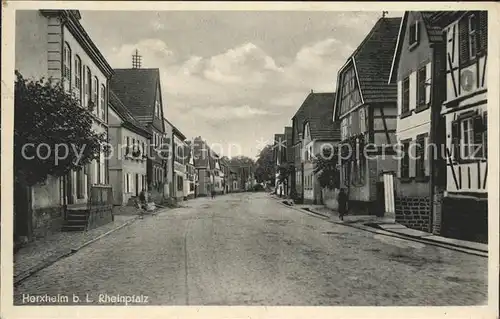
x=41, y=253
x=374, y=223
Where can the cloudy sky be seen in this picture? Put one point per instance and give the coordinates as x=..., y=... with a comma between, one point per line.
x=233, y=77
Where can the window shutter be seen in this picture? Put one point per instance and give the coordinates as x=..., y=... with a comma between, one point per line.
x=400, y=97
x=478, y=135
x=417, y=31
x=485, y=127
x=463, y=38
x=455, y=139
x=428, y=81
x=412, y=159
x=483, y=31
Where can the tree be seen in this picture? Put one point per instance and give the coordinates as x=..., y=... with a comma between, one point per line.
x=265, y=167
x=325, y=166
x=50, y=122
x=284, y=171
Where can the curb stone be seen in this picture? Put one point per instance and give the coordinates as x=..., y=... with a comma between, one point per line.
x=462, y=249
x=53, y=259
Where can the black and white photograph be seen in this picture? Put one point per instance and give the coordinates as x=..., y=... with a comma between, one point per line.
x=250, y=157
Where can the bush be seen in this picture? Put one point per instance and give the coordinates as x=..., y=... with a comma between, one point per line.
x=258, y=188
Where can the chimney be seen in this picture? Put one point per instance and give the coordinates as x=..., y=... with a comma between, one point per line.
x=312, y=91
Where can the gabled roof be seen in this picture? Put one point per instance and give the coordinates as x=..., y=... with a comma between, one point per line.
x=125, y=114
x=372, y=62
x=136, y=88
x=434, y=34
x=203, y=155
x=317, y=110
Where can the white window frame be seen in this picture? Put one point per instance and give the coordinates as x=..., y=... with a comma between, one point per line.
x=472, y=36
x=467, y=142
x=102, y=101
x=95, y=94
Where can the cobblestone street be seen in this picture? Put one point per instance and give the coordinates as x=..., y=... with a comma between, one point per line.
x=247, y=249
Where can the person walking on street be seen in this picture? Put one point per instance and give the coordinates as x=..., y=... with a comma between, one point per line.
x=142, y=203
x=342, y=200
x=213, y=192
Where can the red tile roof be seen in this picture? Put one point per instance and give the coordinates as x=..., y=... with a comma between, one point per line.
x=125, y=114
x=317, y=109
x=373, y=60
x=136, y=88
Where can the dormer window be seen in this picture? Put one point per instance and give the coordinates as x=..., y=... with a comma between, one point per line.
x=414, y=34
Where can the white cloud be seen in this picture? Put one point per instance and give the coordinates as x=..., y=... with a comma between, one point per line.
x=154, y=53
x=241, y=83
x=228, y=112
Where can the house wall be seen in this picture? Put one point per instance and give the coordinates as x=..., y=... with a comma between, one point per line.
x=32, y=36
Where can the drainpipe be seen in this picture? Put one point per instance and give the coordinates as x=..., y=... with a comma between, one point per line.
x=434, y=136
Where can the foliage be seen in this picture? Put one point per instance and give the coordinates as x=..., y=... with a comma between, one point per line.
x=327, y=170
x=265, y=169
x=284, y=171
x=258, y=188
x=46, y=114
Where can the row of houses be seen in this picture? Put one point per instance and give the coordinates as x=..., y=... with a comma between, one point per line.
x=415, y=90
x=150, y=153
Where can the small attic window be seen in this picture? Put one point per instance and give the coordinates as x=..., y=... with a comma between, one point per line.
x=414, y=34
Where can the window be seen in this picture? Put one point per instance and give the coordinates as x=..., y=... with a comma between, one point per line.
x=102, y=168
x=420, y=156
x=180, y=182
x=473, y=36
x=78, y=77
x=103, y=103
x=421, y=86
x=414, y=34
x=95, y=94
x=127, y=149
x=472, y=32
x=469, y=137
x=405, y=107
x=350, y=93
x=405, y=161
x=88, y=86
x=466, y=138
x=67, y=63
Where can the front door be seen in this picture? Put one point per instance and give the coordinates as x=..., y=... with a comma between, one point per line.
x=136, y=184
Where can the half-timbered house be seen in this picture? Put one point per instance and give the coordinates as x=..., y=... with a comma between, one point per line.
x=417, y=69
x=465, y=202
x=366, y=107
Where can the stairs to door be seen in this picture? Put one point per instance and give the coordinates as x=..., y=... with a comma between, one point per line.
x=76, y=220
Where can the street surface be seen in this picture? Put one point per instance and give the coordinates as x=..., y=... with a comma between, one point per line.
x=247, y=249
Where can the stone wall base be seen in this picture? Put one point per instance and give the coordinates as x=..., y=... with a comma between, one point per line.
x=413, y=212
x=465, y=218
x=47, y=221
x=100, y=216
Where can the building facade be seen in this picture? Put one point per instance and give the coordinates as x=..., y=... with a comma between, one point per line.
x=179, y=165
x=128, y=162
x=417, y=69
x=191, y=178
x=53, y=43
x=140, y=90
x=465, y=202
x=366, y=107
